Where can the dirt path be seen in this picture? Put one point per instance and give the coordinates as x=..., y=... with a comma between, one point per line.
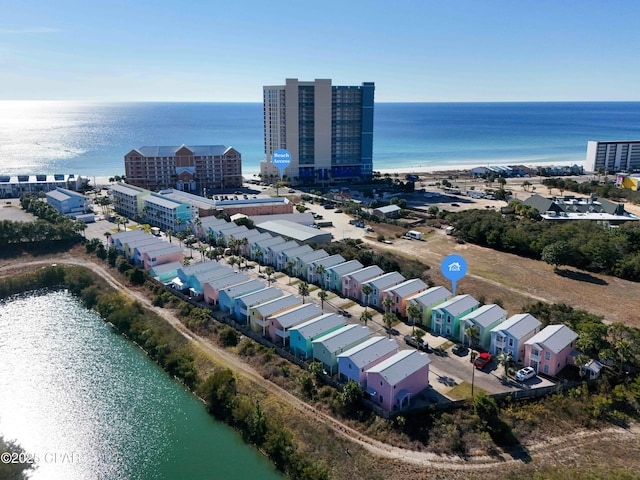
x=570, y=442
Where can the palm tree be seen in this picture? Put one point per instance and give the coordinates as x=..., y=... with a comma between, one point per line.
x=472, y=333
x=473, y=356
x=504, y=359
x=232, y=261
x=320, y=269
x=269, y=271
x=289, y=267
x=413, y=312
x=387, y=303
x=366, y=291
x=202, y=249
x=257, y=253
x=303, y=290
x=389, y=320
x=322, y=295
x=179, y=221
x=365, y=316
x=169, y=233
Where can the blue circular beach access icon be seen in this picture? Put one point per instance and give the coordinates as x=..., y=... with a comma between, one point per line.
x=454, y=267
x=281, y=159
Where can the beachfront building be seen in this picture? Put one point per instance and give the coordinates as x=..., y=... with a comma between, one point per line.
x=301, y=336
x=563, y=209
x=14, y=186
x=279, y=324
x=352, y=282
x=353, y=363
x=161, y=254
x=613, y=157
x=258, y=313
x=550, y=350
x=187, y=168
x=165, y=273
x=327, y=348
x=400, y=293
x=270, y=255
x=484, y=319
x=392, y=382
x=327, y=129
x=445, y=318
x=378, y=285
x=510, y=335
x=426, y=301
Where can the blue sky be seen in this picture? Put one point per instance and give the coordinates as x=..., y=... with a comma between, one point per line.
x=414, y=50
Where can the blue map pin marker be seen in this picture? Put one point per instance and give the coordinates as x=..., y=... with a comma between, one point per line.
x=454, y=267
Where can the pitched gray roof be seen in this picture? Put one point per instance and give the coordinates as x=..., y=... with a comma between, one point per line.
x=319, y=325
x=274, y=305
x=298, y=315
x=486, y=315
x=553, y=337
x=458, y=304
x=243, y=288
x=431, y=296
x=345, y=267
x=370, y=350
x=366, y=273
x=518, y=325
x=261, y=296
x=385, y=281
x=401, y=365
x=342, y=337
x=407, y=287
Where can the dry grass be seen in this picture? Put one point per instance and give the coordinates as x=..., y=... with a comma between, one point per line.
x=462, y=391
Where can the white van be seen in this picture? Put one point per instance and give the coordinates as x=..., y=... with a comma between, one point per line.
x=415, y=235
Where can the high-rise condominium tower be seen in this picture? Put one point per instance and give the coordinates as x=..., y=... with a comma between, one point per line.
x=327, y=129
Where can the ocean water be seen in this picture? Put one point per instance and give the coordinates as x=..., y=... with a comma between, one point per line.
x=92, y=138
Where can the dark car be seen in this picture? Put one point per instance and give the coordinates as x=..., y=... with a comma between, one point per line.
x=338, y=210
x=459, y=349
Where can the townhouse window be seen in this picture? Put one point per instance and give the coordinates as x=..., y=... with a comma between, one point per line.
x=511, y=342
x=547, y=355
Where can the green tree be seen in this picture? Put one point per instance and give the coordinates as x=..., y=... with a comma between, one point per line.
x=413, y=312
x=351, y=396
x=320, y=270
x=219, y=392
x=366, y=291
x=472, y=334
x=322, y=295
x=269, y=271
x=389, y=320
x=504, y=359
x=557, y=254
x=10, y=470
x=303, y=290
x=289, y=268
x=365, y=316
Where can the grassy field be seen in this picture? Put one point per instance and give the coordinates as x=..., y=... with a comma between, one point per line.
x=517, y=282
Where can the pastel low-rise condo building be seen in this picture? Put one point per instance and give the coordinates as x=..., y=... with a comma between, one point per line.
x=393, y=382
x=426, y=301
x=353, y=363
x=550, y=350
x=510, y=336
x=483, y=319
x=445, y=318
x=301, y=336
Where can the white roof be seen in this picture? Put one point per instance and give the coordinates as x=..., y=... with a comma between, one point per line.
x=519, y=325
x=388, y=209
x=407, y=287
x=162, y=250
x=342, y=337
x=485, y=315
x=553, y=337
x=164, y=268
x=370, y=350
x=319, y=325
x=297, y=315
x=127, y=189
x=404, y=363
x=431, y=296
x=293, y=230
x=205, y=266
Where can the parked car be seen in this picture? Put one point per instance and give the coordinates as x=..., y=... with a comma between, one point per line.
x=459, y=349
x=416, y=343
x=482, y=360
x=291, y=190
x=525, y=374
x=344, y=313
x=338, y=210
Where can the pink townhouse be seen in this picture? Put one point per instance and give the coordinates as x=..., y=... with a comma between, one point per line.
x=392, y=382
x=352, y=282
x=278, y=325
x=161, y=254
x=549, y=350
